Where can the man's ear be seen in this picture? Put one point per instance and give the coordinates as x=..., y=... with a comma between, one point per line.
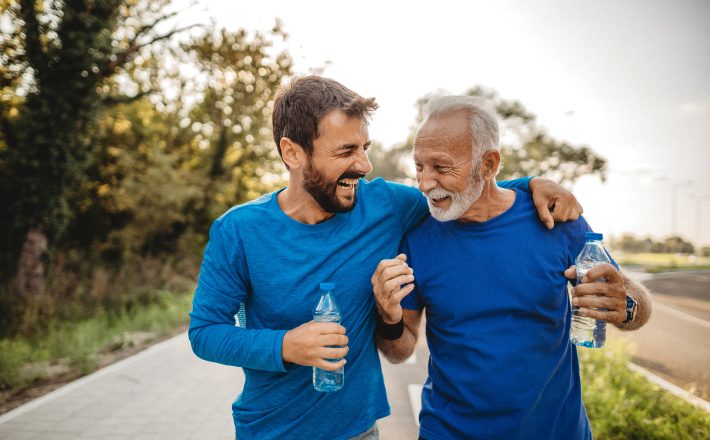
x=292, y=153
x=490, y=164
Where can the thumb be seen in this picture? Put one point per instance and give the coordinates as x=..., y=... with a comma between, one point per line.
x=401, y=257
x=571, y=273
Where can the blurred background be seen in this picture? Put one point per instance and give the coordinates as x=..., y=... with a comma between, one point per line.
x=128, y=126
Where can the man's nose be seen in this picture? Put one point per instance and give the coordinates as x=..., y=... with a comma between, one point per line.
x=363, y=164
x=425, y=181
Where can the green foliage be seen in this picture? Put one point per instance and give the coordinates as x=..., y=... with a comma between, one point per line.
x=622, y=404
x=526, y=148
x=390, y=164
x=74, y=347
x=673, y=244
x=125, y=145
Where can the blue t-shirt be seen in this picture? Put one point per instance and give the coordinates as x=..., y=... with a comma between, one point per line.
x=497, y=326
x=259, y=256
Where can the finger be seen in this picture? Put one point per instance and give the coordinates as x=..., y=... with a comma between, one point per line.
x=395, y=271
x=384, y=264
x=600, y=302
x=393, y=285
x=569, y=212
x=398, y=296
x=327, y=328
x=587, y=289
x=333, y=340
x=613, y=316
x=543, y=211
x=571, y=273
x=562, y=212
x=328, y=365
x=576, y=211
x=328, y=353
x=580, y=208
x=606, y=271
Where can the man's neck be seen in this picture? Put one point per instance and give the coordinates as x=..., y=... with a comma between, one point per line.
x=493, y=202
x=298, y=204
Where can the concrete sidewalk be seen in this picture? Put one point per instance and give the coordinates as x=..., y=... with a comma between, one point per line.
x=162, y=393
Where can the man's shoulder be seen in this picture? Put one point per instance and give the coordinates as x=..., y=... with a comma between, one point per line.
x=252, y=211
x=423, y=229
x=379, y=184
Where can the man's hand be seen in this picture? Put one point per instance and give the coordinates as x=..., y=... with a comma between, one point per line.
x=312, y=343
x=553, y=202
x=389, y=276
x=593, y=295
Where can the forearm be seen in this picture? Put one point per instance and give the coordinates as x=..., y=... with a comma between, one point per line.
x=398, y=350
x=236, y=346
x=643, y=305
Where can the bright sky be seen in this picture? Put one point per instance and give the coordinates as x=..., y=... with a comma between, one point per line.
x=631, y=79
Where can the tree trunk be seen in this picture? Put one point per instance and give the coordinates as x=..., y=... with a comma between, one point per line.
x=29, y=279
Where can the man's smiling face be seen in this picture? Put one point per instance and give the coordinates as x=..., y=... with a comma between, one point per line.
x=339, y=159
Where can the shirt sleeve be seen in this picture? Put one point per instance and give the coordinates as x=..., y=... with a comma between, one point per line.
x=409, y=203
x=411, y=301
x=222, y=286
x=522, y=183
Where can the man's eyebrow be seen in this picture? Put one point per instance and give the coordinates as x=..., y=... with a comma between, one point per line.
x=354, y=146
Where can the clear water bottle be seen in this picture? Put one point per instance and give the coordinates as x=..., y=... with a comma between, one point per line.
x=586, y=331
x=327, y=310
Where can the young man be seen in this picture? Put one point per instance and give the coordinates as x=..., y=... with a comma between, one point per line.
x=328, y=225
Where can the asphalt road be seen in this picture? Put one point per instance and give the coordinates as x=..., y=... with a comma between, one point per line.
x=675, y=344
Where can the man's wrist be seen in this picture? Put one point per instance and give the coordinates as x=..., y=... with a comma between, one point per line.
x=390, y=332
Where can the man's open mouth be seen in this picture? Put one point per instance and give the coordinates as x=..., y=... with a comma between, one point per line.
x=438, y=200
x=347, y=183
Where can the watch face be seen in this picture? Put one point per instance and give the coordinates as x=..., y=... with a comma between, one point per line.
x=630, y=309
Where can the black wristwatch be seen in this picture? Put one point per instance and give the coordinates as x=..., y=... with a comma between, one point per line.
x=630, y=309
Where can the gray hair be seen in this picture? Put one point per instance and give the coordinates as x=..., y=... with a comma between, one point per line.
x=482, y=120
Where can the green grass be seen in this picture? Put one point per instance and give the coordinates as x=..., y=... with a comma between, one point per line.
x=74, y=347
x=622, y=404
x=663, y=262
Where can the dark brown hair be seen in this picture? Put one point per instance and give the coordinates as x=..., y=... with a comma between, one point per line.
x=301, y=105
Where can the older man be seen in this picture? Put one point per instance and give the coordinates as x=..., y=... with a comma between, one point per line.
x=491, y=279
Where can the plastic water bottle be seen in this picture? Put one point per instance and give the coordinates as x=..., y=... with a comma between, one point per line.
x=327, y=310
x=586, y=331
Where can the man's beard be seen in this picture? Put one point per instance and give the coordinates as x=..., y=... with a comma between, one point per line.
x=460, y=202
x=324, y=192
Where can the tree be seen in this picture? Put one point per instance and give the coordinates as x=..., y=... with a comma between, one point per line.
x=526, y=148
x=167, y=166
x=55, y=58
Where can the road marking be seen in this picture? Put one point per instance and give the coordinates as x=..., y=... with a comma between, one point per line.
x=415, y=399
x=671, y=388
x=681, y=315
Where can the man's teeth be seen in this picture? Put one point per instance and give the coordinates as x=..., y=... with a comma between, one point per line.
x=347, y=183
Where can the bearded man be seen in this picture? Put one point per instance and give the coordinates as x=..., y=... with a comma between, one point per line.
x=492, y=281
x=271, y=254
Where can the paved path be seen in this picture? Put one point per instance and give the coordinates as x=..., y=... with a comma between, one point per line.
x=675, y=344
x=163, y=393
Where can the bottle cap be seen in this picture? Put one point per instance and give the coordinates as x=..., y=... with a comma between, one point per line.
x=593, y=236
x=327, y=286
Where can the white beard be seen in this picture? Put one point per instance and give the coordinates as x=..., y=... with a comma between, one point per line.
x=460, y=202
